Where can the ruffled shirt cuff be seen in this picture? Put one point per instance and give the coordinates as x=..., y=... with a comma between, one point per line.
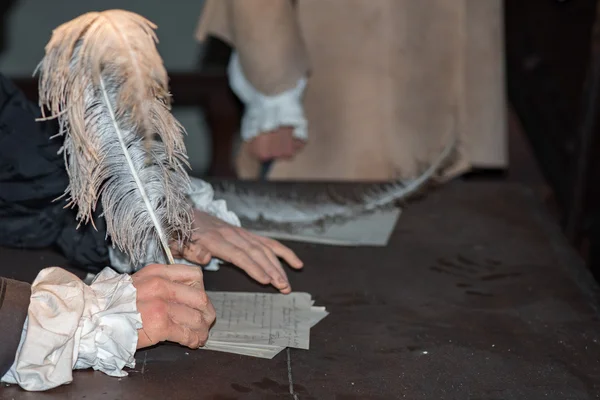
x=265, y=113
x=71, y=325
x=202, y=198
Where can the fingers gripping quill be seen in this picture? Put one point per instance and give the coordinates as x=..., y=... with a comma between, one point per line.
x=173, y=304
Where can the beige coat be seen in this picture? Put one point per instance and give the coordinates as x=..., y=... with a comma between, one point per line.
x=390, y=81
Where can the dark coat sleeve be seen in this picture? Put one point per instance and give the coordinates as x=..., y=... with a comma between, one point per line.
x=32, y=177
x=14, y=302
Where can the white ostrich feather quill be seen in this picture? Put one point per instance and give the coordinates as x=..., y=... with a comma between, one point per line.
x=103, y=78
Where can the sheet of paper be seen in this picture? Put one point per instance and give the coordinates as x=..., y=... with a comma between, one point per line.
x=373, y=229
x=259, y=352
x=262, y=324
x=261, y=318
x=316, y=314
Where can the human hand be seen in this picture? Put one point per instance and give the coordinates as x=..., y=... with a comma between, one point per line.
x=173, y=305
x=255, y=254
x=279, y=143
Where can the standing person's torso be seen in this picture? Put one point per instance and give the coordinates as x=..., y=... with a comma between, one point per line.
x=383, y=91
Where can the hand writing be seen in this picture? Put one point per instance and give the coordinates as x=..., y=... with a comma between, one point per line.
x=173, y=305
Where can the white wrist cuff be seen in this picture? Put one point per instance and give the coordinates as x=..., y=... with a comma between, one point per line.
x=266, y=113
x=71, y=325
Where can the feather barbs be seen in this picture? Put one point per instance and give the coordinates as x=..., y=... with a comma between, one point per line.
x=104, y=80
x=123, y=43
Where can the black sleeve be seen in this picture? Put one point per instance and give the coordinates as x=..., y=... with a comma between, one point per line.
x=32, y=176
x=14, y=302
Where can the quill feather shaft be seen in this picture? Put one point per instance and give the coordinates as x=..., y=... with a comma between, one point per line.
x=157, y=225
x=138, y=80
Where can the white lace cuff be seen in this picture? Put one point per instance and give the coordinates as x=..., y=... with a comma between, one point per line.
x=266, y=113
x=71, y=325
x=201, y=196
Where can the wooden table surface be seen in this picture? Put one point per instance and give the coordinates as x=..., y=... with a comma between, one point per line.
x=477, y=296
